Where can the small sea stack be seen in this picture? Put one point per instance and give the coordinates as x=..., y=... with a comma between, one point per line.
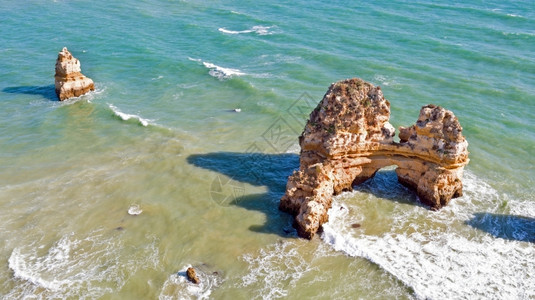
x=192, y=275
x=348, y=138
x=70, y=82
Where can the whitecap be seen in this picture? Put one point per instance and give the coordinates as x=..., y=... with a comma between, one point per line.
x=260, y=30
x=233, y=31
x=126, y=117
x=220, y=72
x=518, y=33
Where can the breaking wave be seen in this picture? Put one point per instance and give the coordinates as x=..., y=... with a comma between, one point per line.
x=277, y=270
x=260, y=30
x=514, y=16
x=274, y=270
x=82, y=268
x=438, y=254
x=125, y=117
x=220, y=72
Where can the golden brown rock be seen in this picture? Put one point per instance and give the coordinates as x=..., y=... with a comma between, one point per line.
x=348, y=139
x=192, y=276
x=70, y=82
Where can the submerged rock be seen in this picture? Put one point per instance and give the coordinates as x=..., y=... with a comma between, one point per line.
x=348, y=139
x=192, y=276
x=70, y=82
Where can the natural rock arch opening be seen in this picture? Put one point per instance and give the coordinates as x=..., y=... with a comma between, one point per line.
x=348, y=139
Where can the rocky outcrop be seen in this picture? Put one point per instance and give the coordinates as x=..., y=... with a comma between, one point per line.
x=70, y=82
x=192, y=275
x=348, y=139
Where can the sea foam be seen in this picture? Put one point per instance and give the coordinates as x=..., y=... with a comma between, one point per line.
x=436, y=253
x=274, y=269
x=134, y=210
x=126, y=117
x=86, y=267
x=220, y=72
x=260, y=30
x=177, y=286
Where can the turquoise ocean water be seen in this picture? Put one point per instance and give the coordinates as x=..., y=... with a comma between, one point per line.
x=161, y=135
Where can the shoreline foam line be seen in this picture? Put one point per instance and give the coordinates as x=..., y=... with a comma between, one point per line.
x=460, y=262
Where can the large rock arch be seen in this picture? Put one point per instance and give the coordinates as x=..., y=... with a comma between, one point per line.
x=348, y=138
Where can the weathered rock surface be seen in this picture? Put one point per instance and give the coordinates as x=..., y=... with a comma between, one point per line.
x=70, y=82
x=348, y=139
x=192, y=276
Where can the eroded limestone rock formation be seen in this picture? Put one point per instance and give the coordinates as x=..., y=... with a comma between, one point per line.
x=348, y=139
x=70, y=82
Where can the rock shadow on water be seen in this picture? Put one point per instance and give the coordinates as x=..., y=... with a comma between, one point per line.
x=258, y=169
x=45, y=91
x=509, y=227
x=385, y=185
x=272, y=171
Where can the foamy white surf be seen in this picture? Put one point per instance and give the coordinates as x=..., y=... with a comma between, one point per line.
x=289, y=268
x=260, y=30
x=438, y=254
x=220, y=72
x=73, y=267
x=274, y=270
x=134, y=210
x=177, y=286
x=126, y=117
